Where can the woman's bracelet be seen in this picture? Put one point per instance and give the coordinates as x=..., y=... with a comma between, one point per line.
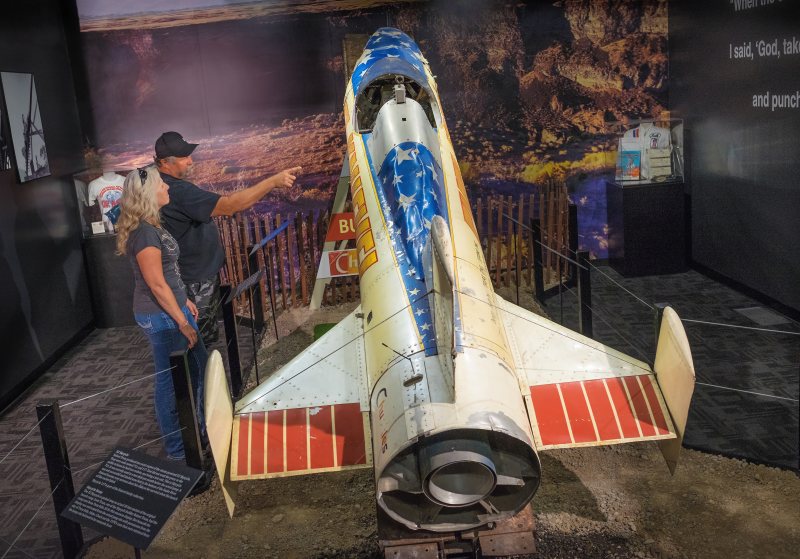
x=182, y=325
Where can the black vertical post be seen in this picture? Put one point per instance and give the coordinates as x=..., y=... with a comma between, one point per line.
x=268, y=282
x=659, y=315
x=255, y=295
x=232, y=341
x=517, y=259
x=572, y=226
x=55, y=454
x=584, y=294
x=538, y=268
x=187, y=414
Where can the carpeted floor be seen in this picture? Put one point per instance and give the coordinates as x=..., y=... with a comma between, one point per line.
x=730, y=422
x=93, y=427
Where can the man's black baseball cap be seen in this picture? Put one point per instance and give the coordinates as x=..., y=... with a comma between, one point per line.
x=172, y=144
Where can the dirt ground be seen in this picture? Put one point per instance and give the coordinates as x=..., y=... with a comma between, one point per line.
x=612, y=501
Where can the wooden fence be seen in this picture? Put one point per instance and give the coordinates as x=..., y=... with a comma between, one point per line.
x=509, y=256
x=292, y=258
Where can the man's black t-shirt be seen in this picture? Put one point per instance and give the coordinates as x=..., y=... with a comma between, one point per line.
x=188, y=218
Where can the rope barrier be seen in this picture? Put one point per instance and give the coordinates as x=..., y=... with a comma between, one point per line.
x=13, y=544
x=25, y=437
x=342, y=347
x=648, y=361
x=115, y=388
x=540, y=325
x=76, y=472
x=748, y=392
x=545, y=246
x=15, y=547
x=622, y=287
x=743, y=327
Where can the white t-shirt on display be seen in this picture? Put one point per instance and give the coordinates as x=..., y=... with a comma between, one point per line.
x=107, y=190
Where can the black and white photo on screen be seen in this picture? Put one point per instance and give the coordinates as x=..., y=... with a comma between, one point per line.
x=5, y=141
x=25, y=125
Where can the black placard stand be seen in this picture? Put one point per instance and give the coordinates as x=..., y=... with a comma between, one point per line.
x=131, y=496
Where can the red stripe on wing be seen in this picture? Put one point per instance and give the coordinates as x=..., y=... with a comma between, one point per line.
x=579, y=417
x=655, y=405
x=639, y=404
x=350, y=443
x=602, y=410
x=624, y=411
x=244, y=444
x=275, y=442
x=550, y=415
x=257, y=444
x=296, y=440
x=321, y=437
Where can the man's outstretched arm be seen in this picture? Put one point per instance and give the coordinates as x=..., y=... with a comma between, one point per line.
x=240, y=201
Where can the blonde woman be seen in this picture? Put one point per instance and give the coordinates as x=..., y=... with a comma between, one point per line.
x=159, y=300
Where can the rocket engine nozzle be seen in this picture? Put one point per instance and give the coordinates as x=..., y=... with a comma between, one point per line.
x=459, y=479
x=457, y=473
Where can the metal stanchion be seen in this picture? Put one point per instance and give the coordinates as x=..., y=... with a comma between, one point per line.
x=257, y=310
x=538, y=269
x=232, y=341
x=584, y=293
x=572, y=228
x=55, y=454
x=187, y=411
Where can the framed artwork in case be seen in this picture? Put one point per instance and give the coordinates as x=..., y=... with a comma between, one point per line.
x=629, y=164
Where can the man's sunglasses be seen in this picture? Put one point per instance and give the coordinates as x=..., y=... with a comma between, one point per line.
x=142, y=175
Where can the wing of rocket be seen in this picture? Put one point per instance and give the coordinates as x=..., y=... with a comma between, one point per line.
x=310, y=416
x=582, y=393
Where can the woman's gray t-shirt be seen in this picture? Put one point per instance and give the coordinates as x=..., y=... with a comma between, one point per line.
x=144, y=236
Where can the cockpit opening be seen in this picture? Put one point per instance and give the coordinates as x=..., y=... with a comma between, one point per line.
x=381, y=90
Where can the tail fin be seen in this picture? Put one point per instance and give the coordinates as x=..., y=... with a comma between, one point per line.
x=675, y=375
x=219, y=423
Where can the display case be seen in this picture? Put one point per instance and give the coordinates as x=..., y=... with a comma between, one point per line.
x=645, y=151
x=99, y=192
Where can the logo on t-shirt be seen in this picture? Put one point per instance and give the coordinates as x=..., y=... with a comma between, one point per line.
x=109, y=197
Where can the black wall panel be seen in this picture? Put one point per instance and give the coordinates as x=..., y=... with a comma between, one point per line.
x=745, y=159
x=44, y=300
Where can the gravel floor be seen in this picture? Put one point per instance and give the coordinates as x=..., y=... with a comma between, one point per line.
x=610, y=501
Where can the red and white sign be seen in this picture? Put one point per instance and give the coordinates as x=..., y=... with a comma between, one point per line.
x=336, y=263
x=342, y=227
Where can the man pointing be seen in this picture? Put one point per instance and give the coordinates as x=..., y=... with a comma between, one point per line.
x=187, y=217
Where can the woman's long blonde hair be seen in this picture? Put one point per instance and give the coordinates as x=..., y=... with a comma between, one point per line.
x=139, y=203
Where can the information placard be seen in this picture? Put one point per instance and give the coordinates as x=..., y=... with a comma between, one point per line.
x=245, y=285
x=131, y=496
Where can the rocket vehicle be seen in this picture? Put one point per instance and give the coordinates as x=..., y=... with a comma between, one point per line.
x=444, y=389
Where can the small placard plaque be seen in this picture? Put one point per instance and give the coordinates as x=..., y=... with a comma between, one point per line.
x=131, y=496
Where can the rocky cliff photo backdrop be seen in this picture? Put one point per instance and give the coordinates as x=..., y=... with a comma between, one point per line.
x=526, y=87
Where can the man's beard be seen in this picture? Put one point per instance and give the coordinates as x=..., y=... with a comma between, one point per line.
x=186, y=173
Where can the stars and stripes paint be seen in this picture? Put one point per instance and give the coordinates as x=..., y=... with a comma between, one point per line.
x=412, y=181
x=387, y=43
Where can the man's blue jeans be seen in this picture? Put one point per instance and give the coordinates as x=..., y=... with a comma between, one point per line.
x=165, y=337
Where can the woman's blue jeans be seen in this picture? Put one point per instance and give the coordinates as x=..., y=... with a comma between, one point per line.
x=165, y=337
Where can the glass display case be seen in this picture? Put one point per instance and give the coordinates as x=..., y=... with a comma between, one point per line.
x=99, y=192
x=645, y=151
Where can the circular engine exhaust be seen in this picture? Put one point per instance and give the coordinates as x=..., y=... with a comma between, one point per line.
x=458, y=471
x=459, y=479
x=460, y=484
